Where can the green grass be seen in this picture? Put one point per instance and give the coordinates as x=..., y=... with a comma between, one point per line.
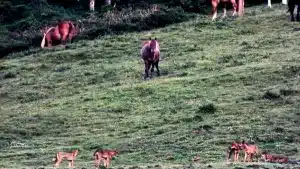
x=232, y=79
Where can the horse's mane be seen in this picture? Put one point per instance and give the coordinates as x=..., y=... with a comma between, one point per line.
x=44, y=38
x=98, y=150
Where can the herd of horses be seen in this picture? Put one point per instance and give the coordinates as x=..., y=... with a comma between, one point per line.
x=150, y=53
x=99, y=155
x=251, y=151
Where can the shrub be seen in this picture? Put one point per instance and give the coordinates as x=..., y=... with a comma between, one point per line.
x=271, y=95
x=209, y=108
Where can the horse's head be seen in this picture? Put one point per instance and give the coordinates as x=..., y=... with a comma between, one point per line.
x=153, y=44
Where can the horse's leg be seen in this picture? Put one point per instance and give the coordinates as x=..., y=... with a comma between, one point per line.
x=298, y=10
x=245, y=157
x=64, y=35
x=234, y=6
x=73, y=161
x=49, y=44
x=147, y=65
x=156, y=65
x=224, y=13
x=70, y=38
x=49, y=41
x=64, y=39
x=291, y=9
x=234, y=157
x=152, y=68
x=214, y=4
x=97, y=162
x=56, y=165
x=70, y=164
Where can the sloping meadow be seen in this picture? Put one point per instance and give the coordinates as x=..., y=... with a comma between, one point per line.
x=221, y=81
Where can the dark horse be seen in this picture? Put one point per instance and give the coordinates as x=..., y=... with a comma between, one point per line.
x=59, y=34
x=150, y=53
x=291, y=6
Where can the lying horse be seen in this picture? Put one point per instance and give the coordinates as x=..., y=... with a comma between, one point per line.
x=150, y=53
x=59, y=34
x=274, y=158
x=215, y=4
x=291, y=6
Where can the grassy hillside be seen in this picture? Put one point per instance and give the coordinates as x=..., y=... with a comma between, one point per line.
x=232, y=79
x=21, y=24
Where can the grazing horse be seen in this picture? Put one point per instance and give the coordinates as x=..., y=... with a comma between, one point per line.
x=215, y=4
x=250, y=150
x=105, y=156
x=291, y=6
x=233, y=149
x=150, y=53
x=59, y=34
x=69, y=156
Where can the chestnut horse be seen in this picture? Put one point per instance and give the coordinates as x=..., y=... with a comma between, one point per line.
x=215, y=4
x=150, y=53
x=59, y=34
x=233, y=149
x=274, y=158
x=250, y=150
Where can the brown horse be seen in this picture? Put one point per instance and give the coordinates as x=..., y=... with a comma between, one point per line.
x=215, y=4
x=69, y=156
x=105, y=156
x=250, y=150
x=274, y=158
x=234, y=149
x=59, y=34
x=150, y=53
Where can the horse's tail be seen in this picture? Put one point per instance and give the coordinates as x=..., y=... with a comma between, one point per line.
x=43, y=41
x=44, y=38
